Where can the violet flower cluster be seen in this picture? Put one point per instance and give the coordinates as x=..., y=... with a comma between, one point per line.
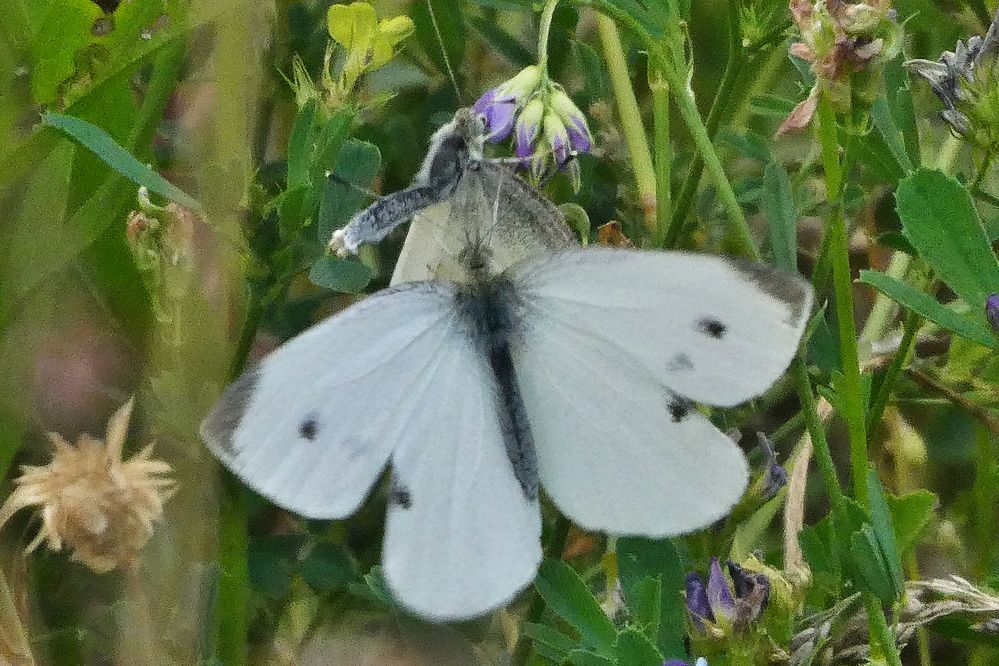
x=549, y=130
x=718, y=608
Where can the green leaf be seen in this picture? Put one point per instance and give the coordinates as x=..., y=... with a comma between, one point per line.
x=910, y=514
x=115, y=156
x=502, y=42
x=556, y=644
x=652, y=579
x=750, y=532
x=940, y=219
x=65, y=30
x=445, y=21
x=356, y=167
x=342, y=275
x=328, y=566
x=587, y=658
x=884, y=531
x=300, y=146
x=568, y=597
x=782, y=217
x=869, y=567
x=884, y=122
x=635, y=649
x=928, y=307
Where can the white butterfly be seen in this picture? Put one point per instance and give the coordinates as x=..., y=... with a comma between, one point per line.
x=573, y=371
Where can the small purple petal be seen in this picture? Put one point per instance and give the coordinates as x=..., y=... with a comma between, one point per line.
x=579, y=137
x=500, y=118
x=675, y=662
x=719, y=595
x=992, y=311
x=485, y=101
x=560, y=148
x=697, y=601
x=775, y=476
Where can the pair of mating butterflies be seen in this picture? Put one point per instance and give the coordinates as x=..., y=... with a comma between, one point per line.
x=505, y=359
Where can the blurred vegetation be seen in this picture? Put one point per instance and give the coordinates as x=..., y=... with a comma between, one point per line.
x=229, y=114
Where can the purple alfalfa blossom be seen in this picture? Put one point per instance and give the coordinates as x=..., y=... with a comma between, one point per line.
x=499, y=105
x=716, y=605
x=701, y=661
x=775, y=476
x=499, y=114
x=711, y=602
x=992, y=312
x=573, y=121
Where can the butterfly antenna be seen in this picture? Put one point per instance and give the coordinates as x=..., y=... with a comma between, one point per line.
x=332, y=175
x=440, y=40
x=496, y=202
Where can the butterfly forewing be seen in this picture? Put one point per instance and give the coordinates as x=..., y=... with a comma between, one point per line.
x=312, y=426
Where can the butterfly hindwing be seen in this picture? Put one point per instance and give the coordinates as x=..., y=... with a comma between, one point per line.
x=462, y=536
x=613, y=347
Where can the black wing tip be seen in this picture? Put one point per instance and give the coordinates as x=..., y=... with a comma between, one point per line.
x=225, y=416
x=789, y=288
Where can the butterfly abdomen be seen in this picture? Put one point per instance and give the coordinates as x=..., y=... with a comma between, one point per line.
x=490, y=316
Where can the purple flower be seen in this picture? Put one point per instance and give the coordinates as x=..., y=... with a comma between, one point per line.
x=499, y=114
x=574, y=122
x=715, y=604
x=701, y=661
x=992, y=311
x=499, y=105
x=775, y=476
x=548, y=129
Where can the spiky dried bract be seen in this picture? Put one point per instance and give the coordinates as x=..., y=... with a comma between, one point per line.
x=101, y=507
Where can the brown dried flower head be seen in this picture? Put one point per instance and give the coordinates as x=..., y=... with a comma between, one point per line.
x=844, y=42
x=102, y=507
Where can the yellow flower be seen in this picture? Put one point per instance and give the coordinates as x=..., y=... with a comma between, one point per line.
x=369, y=42
x=103, y=508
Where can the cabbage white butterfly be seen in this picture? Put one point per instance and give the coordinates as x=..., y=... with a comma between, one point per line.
x=526, y=363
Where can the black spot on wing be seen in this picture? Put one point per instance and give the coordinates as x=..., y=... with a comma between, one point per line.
x=220, y=424
x=679, y=407
x=789, y=289
x=308, y=429
x=400, y=496
x=712, y=327
x=680, y=362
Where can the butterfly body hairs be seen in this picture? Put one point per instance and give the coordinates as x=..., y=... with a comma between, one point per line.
x=506, y=363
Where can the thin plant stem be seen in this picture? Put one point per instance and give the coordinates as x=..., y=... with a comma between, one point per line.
x=881, y=631
x=720, y=104
x=839, y=252
x=984, y=493
x=631, y=120
x=816, y=430
x=895, y=369
x=663, y=155
x=699, y=133
x=547, y=14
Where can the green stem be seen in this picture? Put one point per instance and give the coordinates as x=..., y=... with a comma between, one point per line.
x=816, y=430
x=664, y=157
x=631, y=119
x=881, y=631
x=699, y=133
x=232, y=610
x=839, y=252
x=733, y=68
x=895, y=369
x=545, y=28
